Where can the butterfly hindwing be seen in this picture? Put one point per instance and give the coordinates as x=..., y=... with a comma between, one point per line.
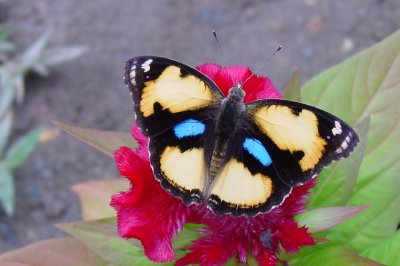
x=301, y=139
x=248, y=183
x=165, y=92
x=178, y=158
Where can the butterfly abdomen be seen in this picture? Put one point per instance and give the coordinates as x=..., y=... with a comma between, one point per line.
x=225, y=129
x=217, y=158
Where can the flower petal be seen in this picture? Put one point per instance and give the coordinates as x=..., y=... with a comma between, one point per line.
x=143, y=142
x=201, y=253
x=256, y=87
x=267, y=258
x=260, y=88
x=147, y=212
x=292, y=237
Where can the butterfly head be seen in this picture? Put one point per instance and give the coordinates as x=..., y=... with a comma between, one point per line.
x=237, y=93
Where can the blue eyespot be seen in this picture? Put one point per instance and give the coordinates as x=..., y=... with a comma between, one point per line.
x=255, y=148
x=189, y=128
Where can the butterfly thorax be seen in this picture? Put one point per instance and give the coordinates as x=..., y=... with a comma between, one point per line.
x=225, y=128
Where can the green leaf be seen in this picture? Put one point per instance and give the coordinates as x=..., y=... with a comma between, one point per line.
x=6, y=46
x=102, y=238
x=5, y=129
x=7, y=91
x=292, y=91
x=367, y=85
x=185, y=238
x=31, y=55
x=386, y=252
x=55, y=56
x=56, y=251
x=335, y=184
x=7, y=189
x=104, y=141
x=333, y=256
x=5, y=32
x=320, y=219
x=19, y=85
x=22, y=148
x=38, y=59
x=95, y=196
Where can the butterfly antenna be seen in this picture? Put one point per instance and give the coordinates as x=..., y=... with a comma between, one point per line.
x=222, y=53
x=263, y=65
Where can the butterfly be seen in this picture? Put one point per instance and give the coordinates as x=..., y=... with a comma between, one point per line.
x=237, y=158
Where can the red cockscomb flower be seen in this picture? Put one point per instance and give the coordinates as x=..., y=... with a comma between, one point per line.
x=153, y=216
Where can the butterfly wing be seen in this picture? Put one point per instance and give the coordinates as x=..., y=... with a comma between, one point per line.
x=301, y=139
x=248, y=183
x=175, y=106
x=166, y=92
x=178, y=158
x=279, y=145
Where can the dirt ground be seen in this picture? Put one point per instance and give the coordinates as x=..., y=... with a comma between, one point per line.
x=89, y=92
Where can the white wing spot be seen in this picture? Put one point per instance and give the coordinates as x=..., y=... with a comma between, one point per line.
x=345, y=145
x=133, y=81
x=132, y=74
x=146, y=65
x=337, y=130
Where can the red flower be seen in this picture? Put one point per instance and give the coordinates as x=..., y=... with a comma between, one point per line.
x=150, y=214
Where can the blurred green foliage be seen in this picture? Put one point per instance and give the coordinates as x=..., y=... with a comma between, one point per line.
x=14, y=66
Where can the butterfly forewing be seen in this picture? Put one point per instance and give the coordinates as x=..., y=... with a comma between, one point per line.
x=178, y=157
x=166, y=92
x=302, y=139
x=175, y=106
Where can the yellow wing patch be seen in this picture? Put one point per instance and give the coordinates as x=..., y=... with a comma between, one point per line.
x=237, y=186
x=293, y=132
x=183, y=169
x=174, y=92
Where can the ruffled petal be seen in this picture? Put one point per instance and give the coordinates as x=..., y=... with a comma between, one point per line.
x=208, y=251
x=256, y=87
x=260, y=88
x=147, y=212
x=292, y=237
x=294, y=204
x=266, y=258
x=210, y=70
x=142, y=141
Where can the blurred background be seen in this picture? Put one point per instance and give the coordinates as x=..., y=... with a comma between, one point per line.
x=65, y=61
